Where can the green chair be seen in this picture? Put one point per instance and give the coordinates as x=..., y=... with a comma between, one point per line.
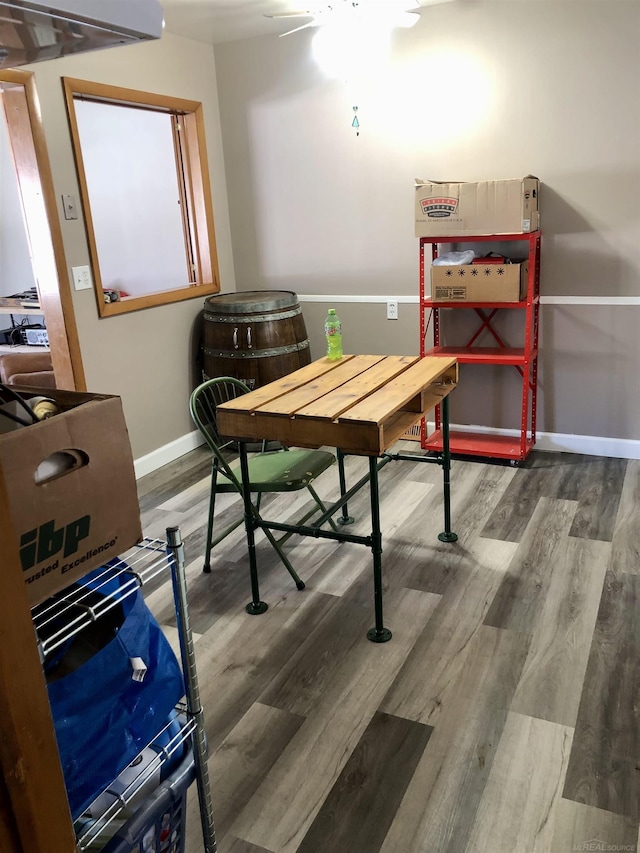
x=281, y=470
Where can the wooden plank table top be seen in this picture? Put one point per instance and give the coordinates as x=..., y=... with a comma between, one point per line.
x=361, y=403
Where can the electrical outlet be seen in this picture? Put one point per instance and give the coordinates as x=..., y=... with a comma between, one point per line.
x=82, y=278
x=392, y=310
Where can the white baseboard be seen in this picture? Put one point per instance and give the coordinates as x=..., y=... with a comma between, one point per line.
x=557, y=442
x=590, y=445
x=167, y=453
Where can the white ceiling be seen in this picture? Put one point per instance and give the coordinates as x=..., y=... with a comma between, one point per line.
x=216, y=21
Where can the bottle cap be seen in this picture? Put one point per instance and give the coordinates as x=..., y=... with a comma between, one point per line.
x=332, y=310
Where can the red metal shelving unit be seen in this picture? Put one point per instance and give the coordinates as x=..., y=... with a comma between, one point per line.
x=523, y=358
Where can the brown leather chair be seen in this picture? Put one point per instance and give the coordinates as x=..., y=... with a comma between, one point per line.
x=31, y=369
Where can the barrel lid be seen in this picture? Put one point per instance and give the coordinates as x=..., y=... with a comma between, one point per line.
x=251, y=300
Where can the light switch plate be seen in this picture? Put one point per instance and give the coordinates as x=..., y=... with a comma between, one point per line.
x=82, y=278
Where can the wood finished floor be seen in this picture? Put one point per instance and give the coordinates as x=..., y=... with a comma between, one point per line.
x=501, y=718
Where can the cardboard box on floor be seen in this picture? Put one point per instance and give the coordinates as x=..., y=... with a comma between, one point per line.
x=81, y=508
x=468, y=209
x=480, y=282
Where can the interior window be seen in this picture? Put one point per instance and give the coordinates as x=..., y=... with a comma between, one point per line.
x=144, y=183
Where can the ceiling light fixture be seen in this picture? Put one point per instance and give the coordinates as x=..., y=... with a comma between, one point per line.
x=388, y=13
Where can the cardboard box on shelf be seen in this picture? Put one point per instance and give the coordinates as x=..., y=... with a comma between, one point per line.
x=468, y=209
x=480, y=282
x=72, y=490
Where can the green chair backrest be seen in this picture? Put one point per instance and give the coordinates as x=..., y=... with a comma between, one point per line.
x=202, y=405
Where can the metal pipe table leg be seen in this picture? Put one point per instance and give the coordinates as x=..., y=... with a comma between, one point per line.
x=194, y=707
x=255, y=606
x=447, y=535
x=378, y=634
x=345, y=518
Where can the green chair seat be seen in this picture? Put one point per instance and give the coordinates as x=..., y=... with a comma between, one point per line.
x=278, y=471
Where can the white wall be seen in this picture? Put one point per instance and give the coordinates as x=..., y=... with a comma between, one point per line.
x=475, y=91
x=146, y=357
x=551, y=88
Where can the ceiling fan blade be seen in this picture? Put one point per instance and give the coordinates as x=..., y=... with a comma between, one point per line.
x=325, y=13
x=297, y=29
x=341, y=5
x=291, y=15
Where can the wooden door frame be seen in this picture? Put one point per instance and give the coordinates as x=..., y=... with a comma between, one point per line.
x=35, y=185
x=34, y=810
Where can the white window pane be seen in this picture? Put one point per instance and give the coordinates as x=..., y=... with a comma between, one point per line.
x=130, y=167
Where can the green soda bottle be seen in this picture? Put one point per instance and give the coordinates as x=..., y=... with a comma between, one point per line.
x=333, y=333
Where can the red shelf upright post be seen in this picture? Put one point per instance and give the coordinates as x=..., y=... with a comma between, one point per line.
x=524, y=359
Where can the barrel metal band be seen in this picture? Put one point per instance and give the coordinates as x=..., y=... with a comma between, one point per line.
x=262, y=353
x=252, y=318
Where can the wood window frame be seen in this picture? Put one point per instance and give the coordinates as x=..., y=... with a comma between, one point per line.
x=191, y=162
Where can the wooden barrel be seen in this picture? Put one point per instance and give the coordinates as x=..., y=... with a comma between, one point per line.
x=254, y=335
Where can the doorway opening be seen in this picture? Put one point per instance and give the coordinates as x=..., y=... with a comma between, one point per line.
x=21, y=112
